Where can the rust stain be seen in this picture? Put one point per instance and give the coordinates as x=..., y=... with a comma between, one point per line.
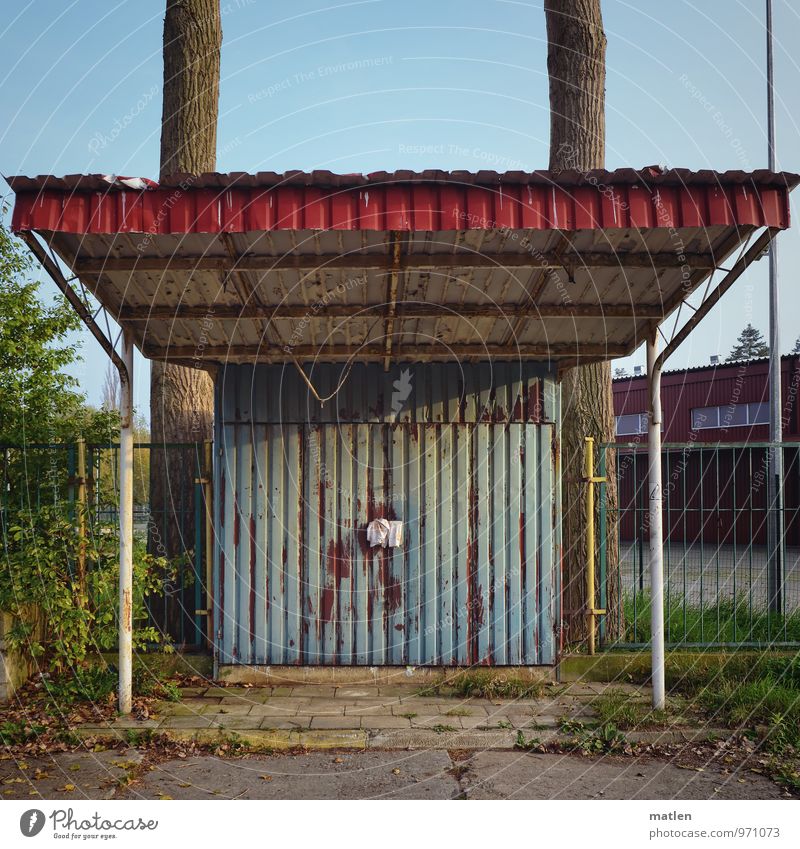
x=399, y=627
x=253, y=579
x=236, y=521
x=472, y=569
x=535, y=401
x=127, y=611
x=339, y=561
x=520, y=405
x=326, y=604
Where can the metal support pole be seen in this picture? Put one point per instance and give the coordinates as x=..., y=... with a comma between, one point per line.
x=126, y=530
x=592, y=612
x=654, y=485
x=775, y=486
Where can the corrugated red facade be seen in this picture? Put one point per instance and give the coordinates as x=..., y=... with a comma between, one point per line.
x=714, y=487
x=711, y=386
x=405, y=201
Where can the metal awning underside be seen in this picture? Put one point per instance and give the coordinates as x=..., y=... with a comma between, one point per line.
x=408, y=266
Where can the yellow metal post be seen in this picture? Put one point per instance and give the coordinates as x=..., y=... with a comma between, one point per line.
x=592, y=612
x=208, y=487
x=82, y=506
x=207, y=482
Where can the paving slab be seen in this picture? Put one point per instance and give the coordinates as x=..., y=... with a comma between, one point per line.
x=367, y=775
x=514, y=775
x=384, y=722
x=334, y=722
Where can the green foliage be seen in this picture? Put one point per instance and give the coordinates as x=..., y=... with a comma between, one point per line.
x=526, y=745
x=627, y=711
x=731, y=621
x=36, y=397
x=749, y=345
x=606, y=739
x=58, y=614
x=16, y=733
x=90, y=683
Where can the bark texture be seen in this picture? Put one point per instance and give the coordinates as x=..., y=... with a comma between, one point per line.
x=576, y=53
x=181, y=397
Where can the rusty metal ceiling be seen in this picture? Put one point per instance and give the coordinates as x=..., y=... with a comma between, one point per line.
x=408, y=266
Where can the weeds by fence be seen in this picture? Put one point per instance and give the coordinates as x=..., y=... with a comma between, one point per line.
x=38, y=476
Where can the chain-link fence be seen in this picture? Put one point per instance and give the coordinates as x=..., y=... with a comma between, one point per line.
x=169, y=520
x=717, y=560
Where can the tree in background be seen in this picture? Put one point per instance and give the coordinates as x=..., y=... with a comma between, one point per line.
x=796, y=349
x=576, y=52
x=181, y=397
x=749, y=345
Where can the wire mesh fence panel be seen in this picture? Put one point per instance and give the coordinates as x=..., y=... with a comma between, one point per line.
x=38, y=476
x=717, y=561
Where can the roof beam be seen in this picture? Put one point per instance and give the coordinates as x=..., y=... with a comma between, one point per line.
x=391, y=301
x=411, y=310
x=364, y=262
x=375, y=351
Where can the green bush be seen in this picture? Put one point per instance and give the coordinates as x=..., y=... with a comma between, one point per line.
x=60, y=615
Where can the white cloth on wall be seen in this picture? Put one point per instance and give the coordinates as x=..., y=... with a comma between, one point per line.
x=385, y=533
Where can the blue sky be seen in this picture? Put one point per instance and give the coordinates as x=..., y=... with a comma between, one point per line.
x=386, y=84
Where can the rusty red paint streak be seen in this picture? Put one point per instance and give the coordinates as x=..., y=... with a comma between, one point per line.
x=472, y=569
x=537, y=612
x=236, y=521
x=327, y=602
x=523, y=569
x=301, y=566
x=535, y=401
x=253, y=579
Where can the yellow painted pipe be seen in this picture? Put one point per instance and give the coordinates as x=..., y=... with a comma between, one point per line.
x=592, y=612
x=590, y=542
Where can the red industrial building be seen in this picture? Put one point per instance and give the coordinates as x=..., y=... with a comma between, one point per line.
x=720, y=402
x=716, y=426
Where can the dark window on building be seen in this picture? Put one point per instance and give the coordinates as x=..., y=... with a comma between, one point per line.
x=730, y=415
x=631, y=424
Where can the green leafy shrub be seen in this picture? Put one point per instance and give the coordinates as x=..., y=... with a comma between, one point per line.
x=59, y=614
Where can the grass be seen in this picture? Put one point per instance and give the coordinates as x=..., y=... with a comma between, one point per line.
x=459, y=712
x=97, y=682
x=731, y=620
x=628, y=712
x=487, y=684
x=762, y=699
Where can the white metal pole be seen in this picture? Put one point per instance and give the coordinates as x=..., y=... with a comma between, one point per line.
x=656, y=530
x=775, y=488
x=126, y=531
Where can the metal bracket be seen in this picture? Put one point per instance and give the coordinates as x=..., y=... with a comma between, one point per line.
x=51, y=267
x=753, y=254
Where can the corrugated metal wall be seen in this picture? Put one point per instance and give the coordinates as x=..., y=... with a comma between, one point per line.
x=465, y=456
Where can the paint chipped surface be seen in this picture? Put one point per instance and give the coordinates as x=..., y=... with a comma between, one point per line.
x=472, y=582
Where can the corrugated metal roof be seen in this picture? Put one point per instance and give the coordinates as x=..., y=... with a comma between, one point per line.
x=412, y=266
x=651, y=175
x=712, y=367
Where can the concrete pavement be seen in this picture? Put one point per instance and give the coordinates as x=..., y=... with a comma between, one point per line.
x=375, y=775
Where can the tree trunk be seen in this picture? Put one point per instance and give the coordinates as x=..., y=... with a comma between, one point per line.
x=576, y=53
x=181, y=397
